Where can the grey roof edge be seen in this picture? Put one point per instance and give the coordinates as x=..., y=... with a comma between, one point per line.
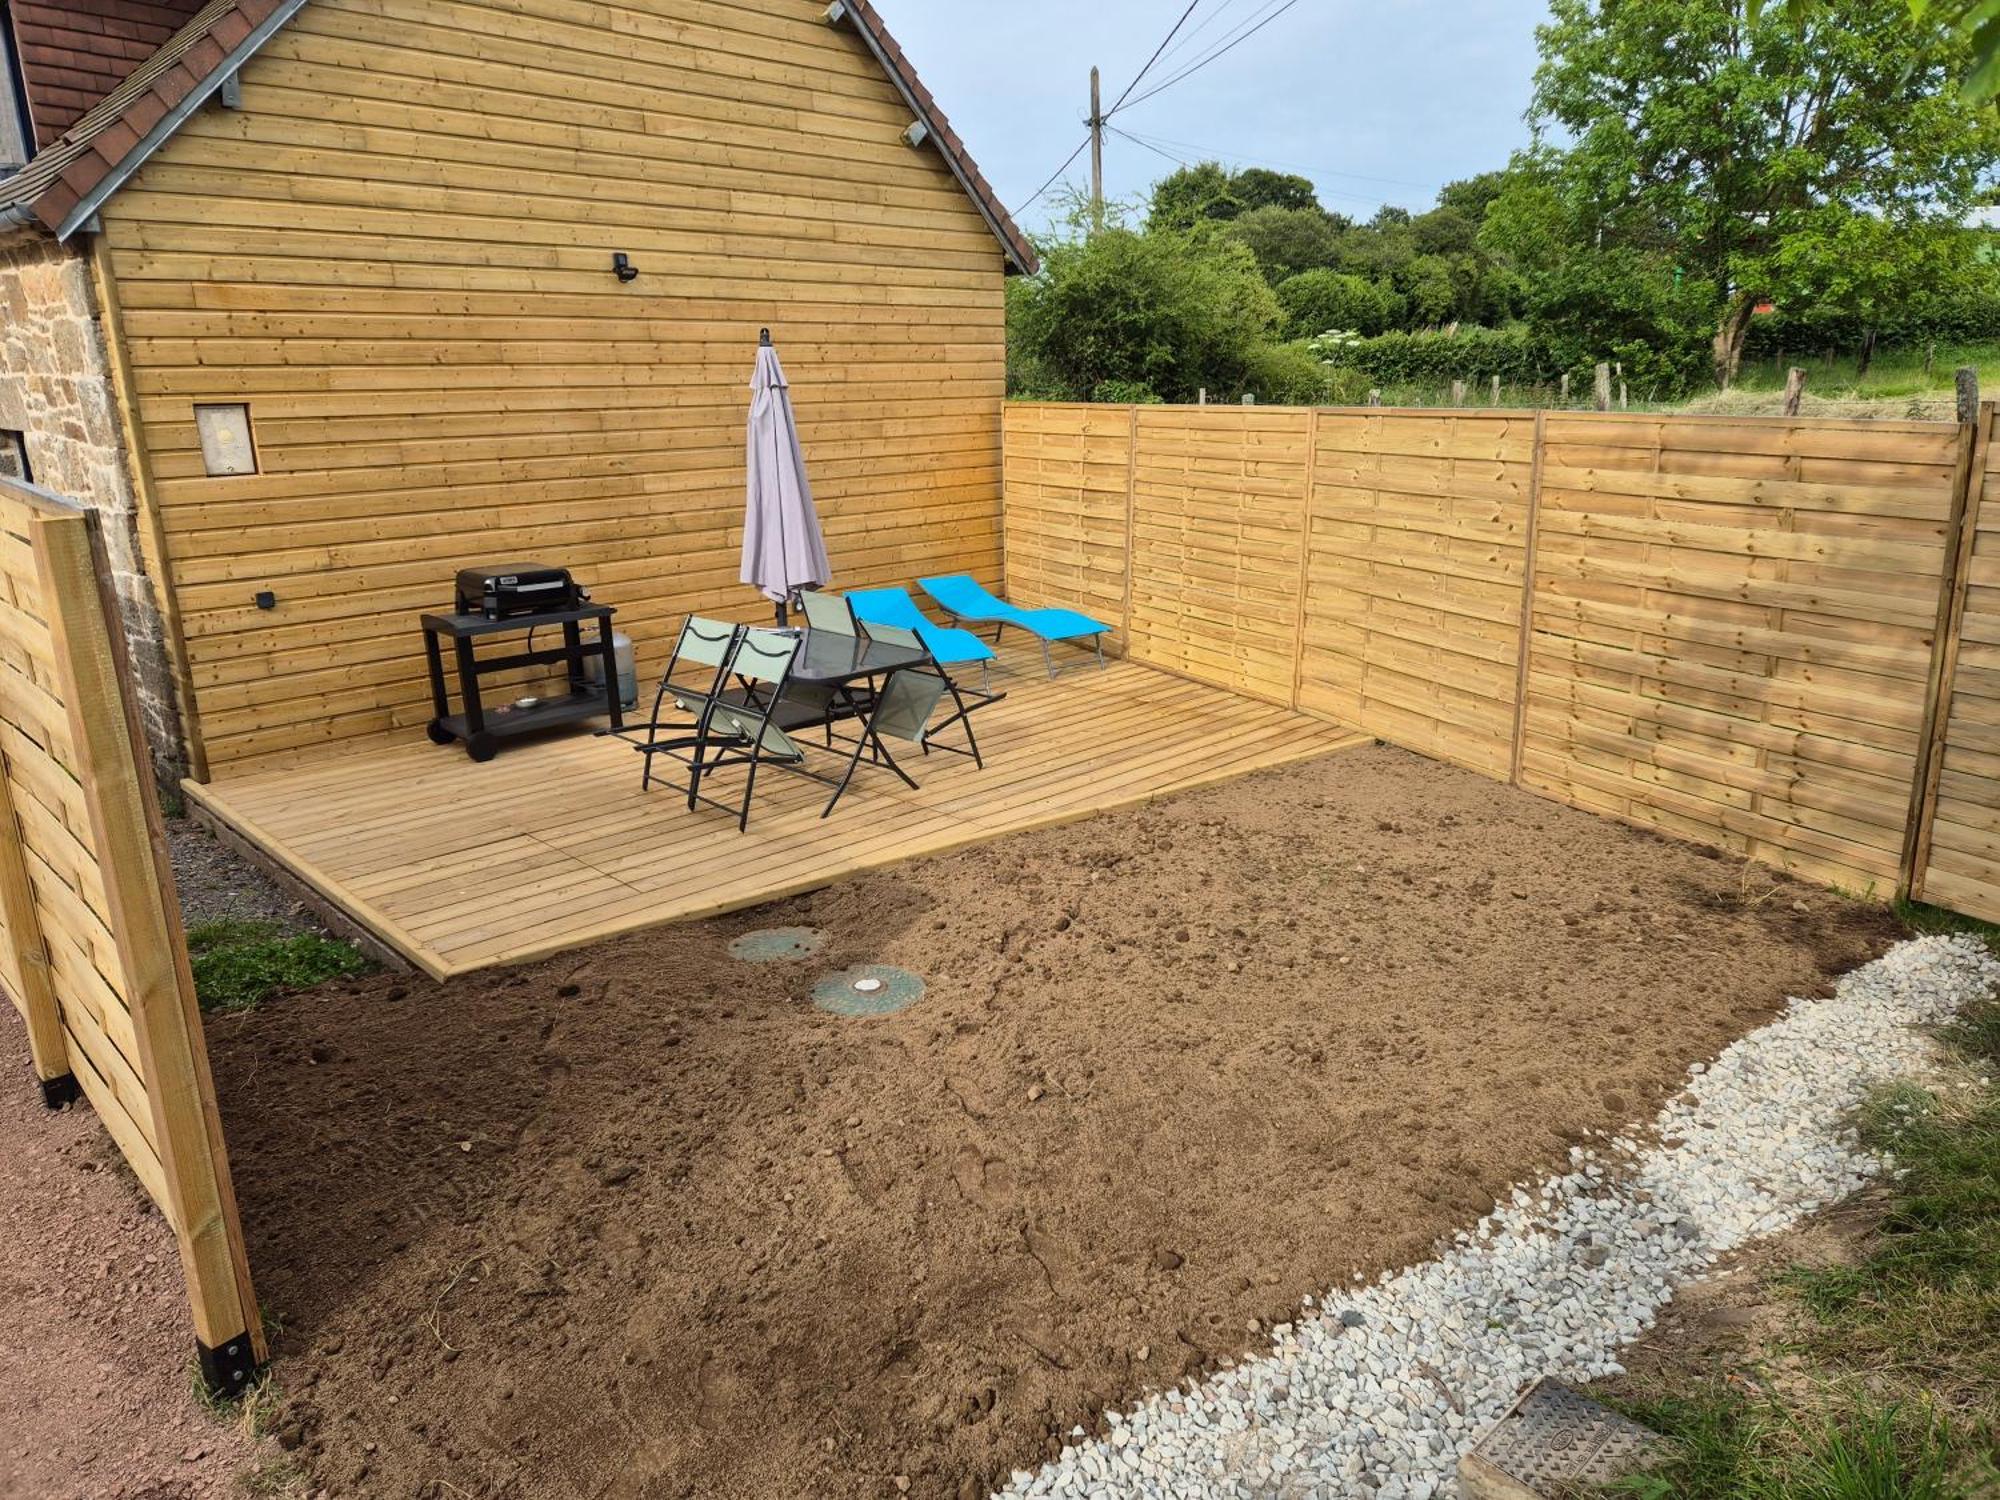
x=171, y=122
x=889, y=54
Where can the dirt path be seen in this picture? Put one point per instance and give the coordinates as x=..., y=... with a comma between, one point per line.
x=641, y=1223
x=96, y=1360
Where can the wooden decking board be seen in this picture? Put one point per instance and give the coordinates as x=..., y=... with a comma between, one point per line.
x=553, y=846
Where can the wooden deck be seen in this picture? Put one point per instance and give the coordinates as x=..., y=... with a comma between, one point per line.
x=552, y=846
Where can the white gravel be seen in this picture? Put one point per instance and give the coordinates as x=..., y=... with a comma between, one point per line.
x=1375, y=1390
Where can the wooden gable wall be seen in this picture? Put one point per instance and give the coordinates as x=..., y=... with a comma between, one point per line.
x=398, y=252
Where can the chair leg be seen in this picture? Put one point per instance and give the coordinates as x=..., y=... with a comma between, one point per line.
x=965, y=717
x=1100, y=651
x=1049, y=661
x=890, y=761
x=853, y=761
x=749, y=786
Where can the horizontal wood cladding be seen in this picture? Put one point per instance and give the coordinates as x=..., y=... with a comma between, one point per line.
x=1733, y=627
x=1960, y=863
x=1729, y=623
x=399, y=254
x=1414, y=579
x=1069, y=479
x=1218, y=518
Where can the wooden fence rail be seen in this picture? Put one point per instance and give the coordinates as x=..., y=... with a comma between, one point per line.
x=93, y=953
x=1777, y=636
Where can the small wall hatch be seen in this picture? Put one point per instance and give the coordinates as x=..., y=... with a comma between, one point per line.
x=226, y=443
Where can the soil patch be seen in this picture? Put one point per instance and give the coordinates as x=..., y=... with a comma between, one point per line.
x=97, y=1359
x=644, y=1222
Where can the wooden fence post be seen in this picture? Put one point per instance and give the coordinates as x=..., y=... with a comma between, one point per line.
x=1305, y=556
x=47, y=1049
x=1527, y=639
x=1795, y=390
x=1458, y=393
x=1967, y=484
x=1131, y=519
x=1601, y=387
x=145, y=923
x=1967, y=381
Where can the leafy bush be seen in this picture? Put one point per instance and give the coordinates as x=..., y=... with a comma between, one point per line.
x=1169, y=310
x=1295, y=374
x=1514, y=354
x=1319, y=300
x=241, y=964
x=1124, y=393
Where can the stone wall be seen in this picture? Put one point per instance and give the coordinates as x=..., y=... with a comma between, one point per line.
x=55, y=386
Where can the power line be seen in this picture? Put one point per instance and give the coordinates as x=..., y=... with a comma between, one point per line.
x=1148, y=145
x=1052, y=178
x=1207, y=21
x=1141, y=74
x=1157, y=144
x=1225, y=48
x=1238, y=156
x=1102, y=117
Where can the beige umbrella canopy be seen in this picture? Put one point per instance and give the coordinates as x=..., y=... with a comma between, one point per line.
x=783, y=548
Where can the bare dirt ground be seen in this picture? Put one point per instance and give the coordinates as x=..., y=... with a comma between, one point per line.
x=97, y=1353
x=640, y=1222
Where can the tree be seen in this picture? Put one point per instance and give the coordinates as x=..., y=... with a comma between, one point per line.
x=1750, y=153
x=1254, y=187
x=1183, y=199
x=1287, y=241
x=1167, y=310
x=1426, y=283
x=1324, y=301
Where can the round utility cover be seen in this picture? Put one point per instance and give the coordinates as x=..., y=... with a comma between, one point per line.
x=778, y=945
x=868, y=990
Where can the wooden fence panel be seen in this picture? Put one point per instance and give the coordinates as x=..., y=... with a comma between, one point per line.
x=89, y=903
x=1956, y=859
x=1069, y=488
x=1418, y=547
x=1218, y=530
x=1733, y=624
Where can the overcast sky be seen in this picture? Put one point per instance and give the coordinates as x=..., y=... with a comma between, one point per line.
x=1375, y=102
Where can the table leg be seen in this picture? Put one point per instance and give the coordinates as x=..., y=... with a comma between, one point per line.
x=440, y=701
x=468, y=690
x=614, y=697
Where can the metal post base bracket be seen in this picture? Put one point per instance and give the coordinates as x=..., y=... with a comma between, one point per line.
x=61, y=1092
x=229, y=1371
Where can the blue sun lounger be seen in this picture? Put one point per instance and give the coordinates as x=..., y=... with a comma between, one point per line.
x=948, y=647
x=963, y=597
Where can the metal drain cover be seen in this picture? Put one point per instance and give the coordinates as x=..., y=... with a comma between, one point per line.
x=868, y=990
x=1553, y=1442
x=777, y=945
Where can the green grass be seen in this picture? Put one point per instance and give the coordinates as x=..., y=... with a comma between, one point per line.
x=1899, y=1352
x=241, y=964
x=1730, y=1448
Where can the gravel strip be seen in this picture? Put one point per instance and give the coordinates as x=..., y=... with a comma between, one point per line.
x=218, y=885
x=1375, y=1391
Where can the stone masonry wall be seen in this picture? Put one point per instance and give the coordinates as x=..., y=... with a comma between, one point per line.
x=55, y=386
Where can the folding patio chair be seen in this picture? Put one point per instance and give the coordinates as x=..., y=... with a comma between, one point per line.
x=903, y=710
x=828, y=612
x=701, y=643
x=740, y=727
x=913, y=640
x=949, y=646
x=963, y=597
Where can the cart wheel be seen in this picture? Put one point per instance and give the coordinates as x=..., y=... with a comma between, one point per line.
x=482, y=747
x=438, y=733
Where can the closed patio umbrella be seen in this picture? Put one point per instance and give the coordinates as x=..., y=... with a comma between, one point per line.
x=783, y=549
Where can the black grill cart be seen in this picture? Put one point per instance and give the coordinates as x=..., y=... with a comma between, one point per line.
x=481, y=731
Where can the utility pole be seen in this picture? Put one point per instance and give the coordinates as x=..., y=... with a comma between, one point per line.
x=1096, y=153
